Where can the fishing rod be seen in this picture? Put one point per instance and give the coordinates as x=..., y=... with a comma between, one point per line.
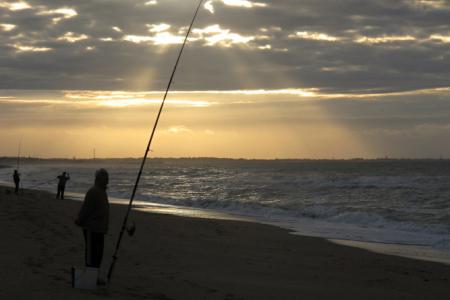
x=18, y=163
x=18, y=154
x=124, y=224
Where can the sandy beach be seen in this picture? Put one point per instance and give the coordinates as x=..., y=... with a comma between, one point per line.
x=173, y=257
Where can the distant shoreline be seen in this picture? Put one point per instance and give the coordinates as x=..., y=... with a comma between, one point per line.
x=8, y=160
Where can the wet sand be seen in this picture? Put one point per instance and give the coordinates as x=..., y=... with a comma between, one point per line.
x=173, y=257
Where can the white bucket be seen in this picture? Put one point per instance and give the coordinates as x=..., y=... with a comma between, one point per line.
x=84, y=278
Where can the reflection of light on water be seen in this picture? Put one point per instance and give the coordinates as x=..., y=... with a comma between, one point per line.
x=181, y=211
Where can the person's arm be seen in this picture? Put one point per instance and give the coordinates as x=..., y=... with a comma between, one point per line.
x=86, y=209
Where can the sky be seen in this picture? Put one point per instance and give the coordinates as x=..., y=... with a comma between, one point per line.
x=258, y=79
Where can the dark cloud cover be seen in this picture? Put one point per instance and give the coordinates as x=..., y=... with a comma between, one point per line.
x=343, y=65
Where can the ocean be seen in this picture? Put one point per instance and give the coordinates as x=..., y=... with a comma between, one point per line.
x=400, y=202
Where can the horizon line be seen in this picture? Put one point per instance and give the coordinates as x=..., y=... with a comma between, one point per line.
x=221, y=158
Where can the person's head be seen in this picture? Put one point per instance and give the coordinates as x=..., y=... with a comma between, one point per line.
x=101, y=178
x=64, y=173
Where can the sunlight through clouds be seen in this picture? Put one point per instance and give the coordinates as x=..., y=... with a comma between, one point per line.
x=160, y=38
x=179, y=129
x=214, y=34
x=318, y=36
x=23, y=48
x=441, y=38
x=18, y=5
x=158, y=27
x=64, y=13
x=7, y=27
x=151, y=2
x=72, y=37
x=126, y=99
x=385, y=39
x=237, y=3
x=430, y=3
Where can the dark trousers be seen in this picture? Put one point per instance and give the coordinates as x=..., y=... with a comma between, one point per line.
x=94, y=248
x=17, y=187
x=60, y=192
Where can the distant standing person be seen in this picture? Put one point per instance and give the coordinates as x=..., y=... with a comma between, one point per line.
x=93, y=218
x=62, y=180
x=16, y=177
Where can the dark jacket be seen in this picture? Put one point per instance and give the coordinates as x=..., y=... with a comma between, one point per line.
x=94, y=214
x=62, y=179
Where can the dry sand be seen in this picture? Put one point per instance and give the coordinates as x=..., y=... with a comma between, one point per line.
x=173, y=257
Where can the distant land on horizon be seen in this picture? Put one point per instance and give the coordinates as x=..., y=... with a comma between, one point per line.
x=8, y=160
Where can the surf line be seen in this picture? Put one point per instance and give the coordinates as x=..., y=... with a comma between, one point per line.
x=124, y=224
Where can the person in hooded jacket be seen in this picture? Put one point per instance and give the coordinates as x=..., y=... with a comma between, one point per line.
x=93, y=218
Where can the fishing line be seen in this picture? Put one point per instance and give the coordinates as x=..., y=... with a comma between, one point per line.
x=18, y=154
x=42, y=183
x=124, y=224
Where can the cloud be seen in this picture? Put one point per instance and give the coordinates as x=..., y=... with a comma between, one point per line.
x=212, y=35
x=72, y=37
x=15, y=5
x=215, y=35
x=23, y=48
x=385, y=39
x=179, y=129
x=7, y=27
x=335, y=46
x=441, y=38
x=58, y=14
x=318, y=36
x=236, y=3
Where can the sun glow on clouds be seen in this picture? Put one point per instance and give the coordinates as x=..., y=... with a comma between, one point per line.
x=72, y=37
x=431, y=3
x=126, y=99
x=22, y=48
x=441, y=38
x=212, y=35
x=141, y=102
x=317, y=36
x=237, y=3
x=179, y=129
x=7, y=27
x=385, y=39
x=160, y=38
x=158, y=27
x=19, y=5
x=64, y=13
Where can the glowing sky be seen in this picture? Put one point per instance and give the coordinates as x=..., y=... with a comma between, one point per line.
x=259, y=79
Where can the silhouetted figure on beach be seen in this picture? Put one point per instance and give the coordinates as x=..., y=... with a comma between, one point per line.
x=16, y=177
x=93, y=218
x=62, y=180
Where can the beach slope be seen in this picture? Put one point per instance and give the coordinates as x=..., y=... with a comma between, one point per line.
x=173, y=257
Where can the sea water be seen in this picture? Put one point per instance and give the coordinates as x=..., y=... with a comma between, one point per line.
x=396, y=202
